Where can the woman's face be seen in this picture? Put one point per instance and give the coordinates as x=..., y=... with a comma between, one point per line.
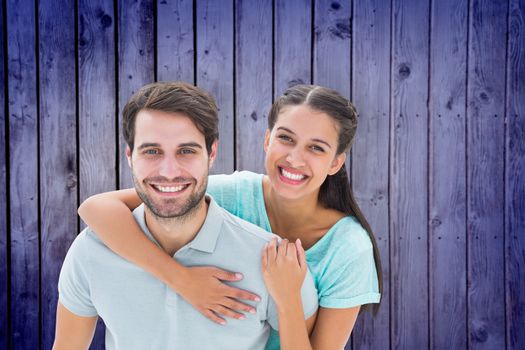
x=301, y=151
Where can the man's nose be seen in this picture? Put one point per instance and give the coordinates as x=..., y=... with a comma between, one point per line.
x=170, y=168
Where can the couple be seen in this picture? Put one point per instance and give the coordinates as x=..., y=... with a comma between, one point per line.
x=190, y=242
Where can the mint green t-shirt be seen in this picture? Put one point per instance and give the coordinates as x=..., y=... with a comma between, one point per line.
x=341, y=262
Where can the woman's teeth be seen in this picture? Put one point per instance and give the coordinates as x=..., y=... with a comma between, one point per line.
x=291, y=176
x=170, y=189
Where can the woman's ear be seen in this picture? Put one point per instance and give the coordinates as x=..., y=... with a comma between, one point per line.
x=266, y=140
x=337, y=163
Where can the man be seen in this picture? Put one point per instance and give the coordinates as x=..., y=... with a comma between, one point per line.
x=171, y=130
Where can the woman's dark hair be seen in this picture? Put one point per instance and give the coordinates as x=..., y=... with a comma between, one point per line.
x=336, y=191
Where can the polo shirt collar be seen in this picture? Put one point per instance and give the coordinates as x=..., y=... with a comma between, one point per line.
x=206, y=238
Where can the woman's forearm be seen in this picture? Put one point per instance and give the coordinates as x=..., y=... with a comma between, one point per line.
x=122, y=234
x=293, y=331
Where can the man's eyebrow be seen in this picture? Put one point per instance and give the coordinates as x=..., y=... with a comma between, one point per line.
x=148, y=144
x=315, y=140
x=190, y=144
x=154, y=144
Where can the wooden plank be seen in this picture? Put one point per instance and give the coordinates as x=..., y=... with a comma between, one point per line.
x=4, y=271
x=485, y=174
x=215, y=71
x=293, y=43
x=175, y=51
x=371, y=91
x=514, y=178
x=408, y=173
x=135, y=62
x=253, y=88
x=447, y=231
x=58, y=157
x=23, y=187
x=332, y=34
x=97, y=105
x=332, y=38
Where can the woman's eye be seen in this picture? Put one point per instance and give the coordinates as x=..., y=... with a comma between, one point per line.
x=284, y=138
x=318, y=148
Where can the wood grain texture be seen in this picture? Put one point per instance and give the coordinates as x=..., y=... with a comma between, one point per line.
x=4, y=243
x=408, y=173
x=485, y=174
x=58, y=153
x=332, y=45
x=175, y=51
x=97, y=97
x=293, y=41
x=515, y=178
x=135, y=63
x=447, y=175
x=253, y=81
x=370, y=87
x=215, y=71
x=97, y=106
x=23, y=168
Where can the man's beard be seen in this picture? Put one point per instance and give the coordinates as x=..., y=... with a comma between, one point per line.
x=169, y=209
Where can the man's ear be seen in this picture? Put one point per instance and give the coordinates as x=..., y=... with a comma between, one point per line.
x=213, y=153
x=128, y=155
x=337, y=163
x=266, y=140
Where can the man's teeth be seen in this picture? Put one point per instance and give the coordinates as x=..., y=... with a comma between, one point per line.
x=170, y=188
x=291, y=176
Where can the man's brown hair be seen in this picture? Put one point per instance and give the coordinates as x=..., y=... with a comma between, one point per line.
x=179, y=97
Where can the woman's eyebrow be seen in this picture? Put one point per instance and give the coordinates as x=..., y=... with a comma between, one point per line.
x=315, y=140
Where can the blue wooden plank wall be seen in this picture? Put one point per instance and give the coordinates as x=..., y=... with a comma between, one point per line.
x=438, y=165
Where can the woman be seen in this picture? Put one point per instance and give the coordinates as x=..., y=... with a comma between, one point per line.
x=305, y=198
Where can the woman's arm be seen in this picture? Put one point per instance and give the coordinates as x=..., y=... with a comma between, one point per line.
x=284, y=268
x=333, y=327
x=200, y=286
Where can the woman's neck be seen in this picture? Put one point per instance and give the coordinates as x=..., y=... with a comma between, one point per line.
x=290, y=216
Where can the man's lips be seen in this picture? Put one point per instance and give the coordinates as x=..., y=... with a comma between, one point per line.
x=170, y=188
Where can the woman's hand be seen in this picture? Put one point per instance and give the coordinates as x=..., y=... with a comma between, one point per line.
x=203, y=288
x=284, y=268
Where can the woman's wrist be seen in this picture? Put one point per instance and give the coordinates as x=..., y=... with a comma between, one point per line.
x=292, y=305
x=175, y=275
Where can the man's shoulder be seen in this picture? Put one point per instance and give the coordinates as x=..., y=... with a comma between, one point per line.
x=244, y=229
x=85, y=243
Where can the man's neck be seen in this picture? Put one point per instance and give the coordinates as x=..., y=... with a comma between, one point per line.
x=174, y=233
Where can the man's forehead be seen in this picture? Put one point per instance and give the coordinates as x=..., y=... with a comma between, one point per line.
x=160, y=127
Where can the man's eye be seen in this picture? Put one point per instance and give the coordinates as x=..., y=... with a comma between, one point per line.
x=187, y=151
x=151, y=151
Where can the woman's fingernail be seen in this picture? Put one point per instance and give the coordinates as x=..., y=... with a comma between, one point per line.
x=257, y=299
x=252, y=311
x=238, y=275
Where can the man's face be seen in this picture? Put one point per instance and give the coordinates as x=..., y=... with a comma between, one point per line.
x=169, y=163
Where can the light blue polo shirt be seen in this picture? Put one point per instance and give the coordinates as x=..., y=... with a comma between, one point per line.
x=140, y=312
